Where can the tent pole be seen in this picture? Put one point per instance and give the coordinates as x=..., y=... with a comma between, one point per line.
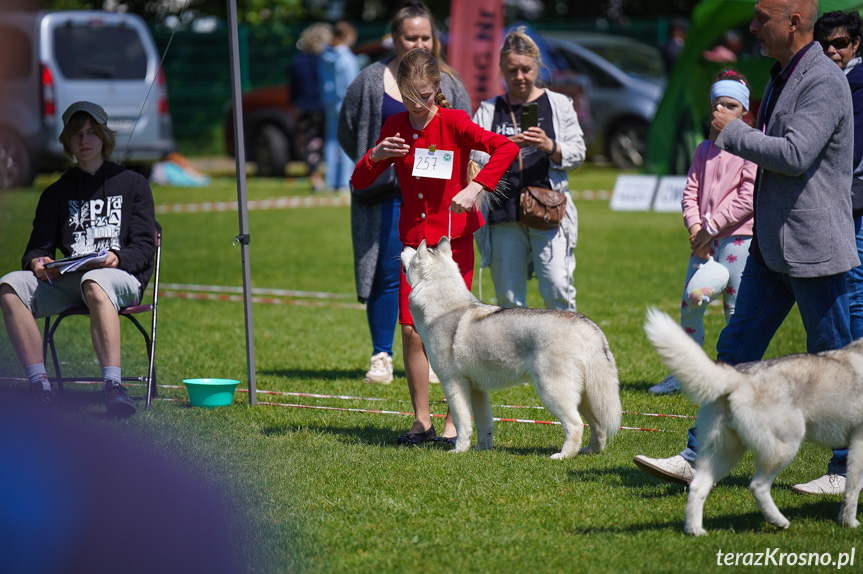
x=242, y=207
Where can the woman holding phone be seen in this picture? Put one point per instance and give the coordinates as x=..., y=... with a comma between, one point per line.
x=545, y=126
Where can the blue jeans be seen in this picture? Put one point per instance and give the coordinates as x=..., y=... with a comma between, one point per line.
x=855, y=285
x=765, y=299
x=382, y=306
x=339, y=165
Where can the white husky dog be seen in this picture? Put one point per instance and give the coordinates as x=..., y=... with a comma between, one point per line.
x=767, y=406
x=475, y=347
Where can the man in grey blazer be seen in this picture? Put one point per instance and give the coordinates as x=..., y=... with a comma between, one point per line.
x=803, y=241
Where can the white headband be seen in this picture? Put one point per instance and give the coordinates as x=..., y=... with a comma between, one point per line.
x=730, y=89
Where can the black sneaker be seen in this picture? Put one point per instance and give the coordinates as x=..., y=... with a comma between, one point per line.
x=118, y=402
x=42, y=396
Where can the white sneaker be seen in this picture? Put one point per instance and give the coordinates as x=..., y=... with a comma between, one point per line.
x=668, y=386
x=671, y=469
x=827, y=484
x=381, y=370
x=433, y=378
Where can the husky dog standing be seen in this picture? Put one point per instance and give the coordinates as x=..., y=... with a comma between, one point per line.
x=475, y=347
x=769, y=407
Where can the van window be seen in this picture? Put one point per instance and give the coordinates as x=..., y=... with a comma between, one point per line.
x=15, y=54
x=88, y=52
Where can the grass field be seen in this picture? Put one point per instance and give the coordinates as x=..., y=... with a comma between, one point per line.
x=319, y=490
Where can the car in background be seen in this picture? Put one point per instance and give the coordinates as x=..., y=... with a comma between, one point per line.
x=627, y=81
x=49, y=60
x=270, y=120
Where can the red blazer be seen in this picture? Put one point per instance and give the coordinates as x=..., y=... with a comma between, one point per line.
x=425, y=209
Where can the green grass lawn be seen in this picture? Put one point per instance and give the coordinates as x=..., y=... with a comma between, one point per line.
x=320, y=490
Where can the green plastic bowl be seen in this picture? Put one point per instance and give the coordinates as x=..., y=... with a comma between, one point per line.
x=211, y=393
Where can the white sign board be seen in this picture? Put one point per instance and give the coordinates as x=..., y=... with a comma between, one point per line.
x=669, y=194
x=633, y=192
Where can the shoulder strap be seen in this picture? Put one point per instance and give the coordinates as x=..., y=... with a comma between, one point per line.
x=515, y=127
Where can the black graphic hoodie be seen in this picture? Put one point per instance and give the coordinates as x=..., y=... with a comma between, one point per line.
x=82, y=213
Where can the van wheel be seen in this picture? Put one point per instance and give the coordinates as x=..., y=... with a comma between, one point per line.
x=271, y=151
x=626, y=144
x=16, y=165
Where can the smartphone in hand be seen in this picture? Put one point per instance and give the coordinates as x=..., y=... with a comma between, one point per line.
x=529, y=116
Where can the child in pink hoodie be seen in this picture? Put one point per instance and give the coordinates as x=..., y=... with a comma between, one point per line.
x=717, y=211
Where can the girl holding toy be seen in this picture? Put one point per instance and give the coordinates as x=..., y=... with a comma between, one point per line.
x=430, y=146
x=717, y=211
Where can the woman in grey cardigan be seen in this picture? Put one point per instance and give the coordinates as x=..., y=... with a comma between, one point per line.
x=551, y=148
x=370, y=99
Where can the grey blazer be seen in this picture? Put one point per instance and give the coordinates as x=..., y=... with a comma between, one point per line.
x=802, y=206
x=360, y=122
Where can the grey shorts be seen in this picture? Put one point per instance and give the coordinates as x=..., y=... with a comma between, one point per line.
x=44, y=299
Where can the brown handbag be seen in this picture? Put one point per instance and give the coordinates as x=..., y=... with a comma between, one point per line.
x=541, y=208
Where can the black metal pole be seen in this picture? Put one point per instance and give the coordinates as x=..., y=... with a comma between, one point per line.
x=243, y=238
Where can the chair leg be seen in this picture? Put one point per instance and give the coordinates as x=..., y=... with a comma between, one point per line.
x=48, y=344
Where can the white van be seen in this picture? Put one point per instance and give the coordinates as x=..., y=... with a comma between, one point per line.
x=49, y=60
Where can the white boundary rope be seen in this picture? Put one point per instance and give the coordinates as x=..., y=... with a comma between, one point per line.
x=375, y=411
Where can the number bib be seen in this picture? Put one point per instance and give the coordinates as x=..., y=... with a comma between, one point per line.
x=433, y=163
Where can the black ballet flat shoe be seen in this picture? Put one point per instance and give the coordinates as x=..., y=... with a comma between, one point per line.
x=418, y=437
x=445, y=440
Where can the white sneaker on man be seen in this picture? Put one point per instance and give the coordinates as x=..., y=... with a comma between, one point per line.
x=668, y=386
x=672, y=469
x=827, y=484
x=381, y=370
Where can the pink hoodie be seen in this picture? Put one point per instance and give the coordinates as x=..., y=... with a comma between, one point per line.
x=719, y=184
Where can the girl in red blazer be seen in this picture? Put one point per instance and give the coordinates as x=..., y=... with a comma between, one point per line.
x=430, y=146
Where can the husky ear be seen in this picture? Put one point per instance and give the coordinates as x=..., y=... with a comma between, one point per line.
x=408, y=254
x=422, y=249
x=444, y=247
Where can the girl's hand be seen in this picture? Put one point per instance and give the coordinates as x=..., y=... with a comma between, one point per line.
x=536, y=137
x=466, y=198
x=393, y=146
x=699, y=240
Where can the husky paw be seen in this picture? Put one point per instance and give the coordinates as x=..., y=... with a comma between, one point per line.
x=852, y=523
x=461, y=446
x=781, y=523
x=587, y=450
x=695, y=531
x=559, y=456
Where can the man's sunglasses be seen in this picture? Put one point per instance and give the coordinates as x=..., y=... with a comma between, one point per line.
x=839, y=43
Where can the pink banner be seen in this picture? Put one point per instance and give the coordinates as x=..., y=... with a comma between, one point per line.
x=475, y=35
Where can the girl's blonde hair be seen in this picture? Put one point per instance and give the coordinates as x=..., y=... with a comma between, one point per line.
x=414, y=9
x=76, y=123
x=421, y=67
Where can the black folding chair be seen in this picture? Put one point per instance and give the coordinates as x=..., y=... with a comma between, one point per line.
x=48, y=341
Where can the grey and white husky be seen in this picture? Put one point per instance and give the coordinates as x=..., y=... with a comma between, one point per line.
x=474, y=348
x=767, y=406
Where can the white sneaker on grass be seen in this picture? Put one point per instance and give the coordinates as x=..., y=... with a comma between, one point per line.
x=672, y=469
x=827, y=484
x=668, y=386
x=381, y=370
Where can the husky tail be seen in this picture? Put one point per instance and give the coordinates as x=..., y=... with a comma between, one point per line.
x=602, y=392
x=702, y=379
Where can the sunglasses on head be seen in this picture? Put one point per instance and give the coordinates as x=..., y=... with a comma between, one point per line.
x=839, y=43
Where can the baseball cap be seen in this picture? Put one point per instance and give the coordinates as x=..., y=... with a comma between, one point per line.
x=95, y=111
